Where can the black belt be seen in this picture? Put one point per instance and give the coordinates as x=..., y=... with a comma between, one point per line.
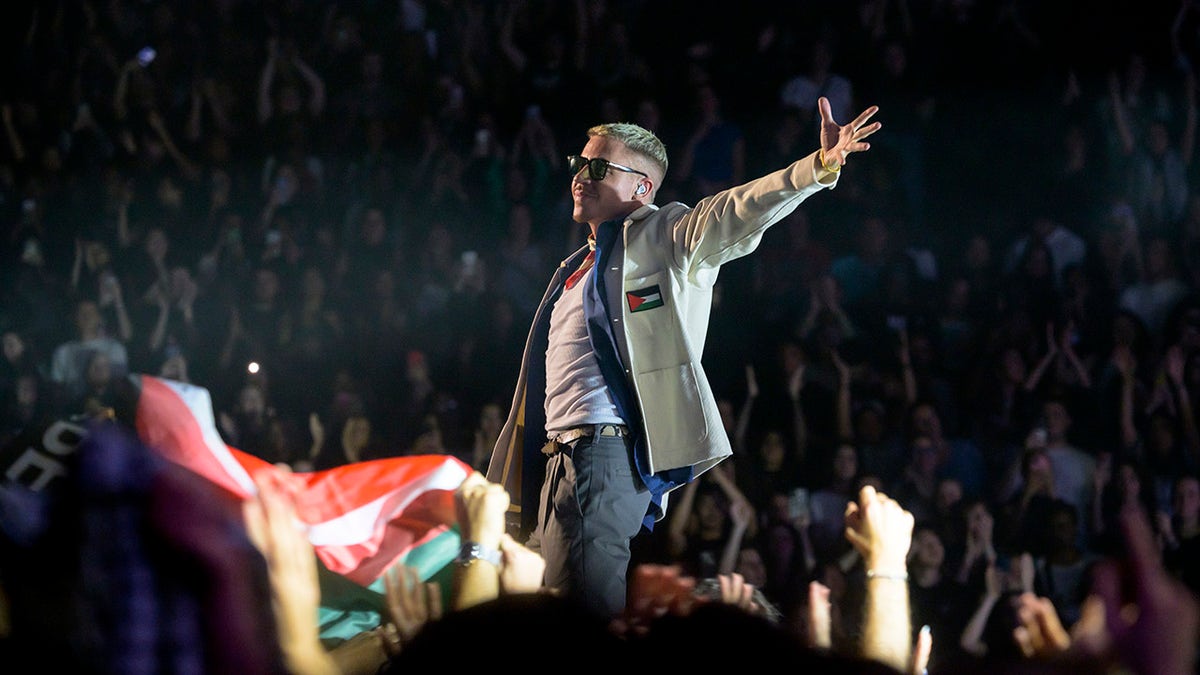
x=568, y=437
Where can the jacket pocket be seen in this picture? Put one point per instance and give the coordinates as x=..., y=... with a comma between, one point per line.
x=652, y=322
x=673, y=413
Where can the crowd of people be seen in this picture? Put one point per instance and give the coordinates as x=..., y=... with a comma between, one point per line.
x=339, y=218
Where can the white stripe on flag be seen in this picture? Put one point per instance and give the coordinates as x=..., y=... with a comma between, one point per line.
x=362, y=524
x=199, y=402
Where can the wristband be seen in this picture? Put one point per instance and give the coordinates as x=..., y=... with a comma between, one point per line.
x=472, y=551
x=831, y=169
x=893, y=576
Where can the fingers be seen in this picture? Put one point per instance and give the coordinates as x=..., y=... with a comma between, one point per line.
x=1040, y=633
x=1024, y=641
x=1055, y=635
x=735, y=590
x=1089, y=635
x=921, y=651
x=819, y=615
x=826, y=110
x=862, y=118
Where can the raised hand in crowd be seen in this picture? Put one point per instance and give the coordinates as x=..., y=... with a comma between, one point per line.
x=881, y=532
x=279, y=535
x=979, y=546
x=922, y=648
x=654, y=591
x=1040, y=633
x=411, y=603
x=819, y=619
x=1136, y=615
x=1152, y=618
x=522, y=570
x=481, y=508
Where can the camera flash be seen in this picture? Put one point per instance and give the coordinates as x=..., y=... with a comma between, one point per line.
x=252, y=367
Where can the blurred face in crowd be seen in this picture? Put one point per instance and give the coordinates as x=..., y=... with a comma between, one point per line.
x=869, y=424
x=87, y=317
x=99, y=370
x=949, y=493
x=251, y=401
x=490, y=417
x=357, y=432
x=710, y=511
x=925, y=420
x=266, y=285
x=1012, y=365
x=156, y=244
x=290, y=99
x=1058, y=420
x=26, y=391
x=1186, y=499
x=845, y=463
x=979, y=253
x=314, y=283
x=924, y=455
x=751, y=566
x=927, y=549
x=174, y=368
x=772, y=450
x=979, y=520
x=1063, y=529
x=14, y=347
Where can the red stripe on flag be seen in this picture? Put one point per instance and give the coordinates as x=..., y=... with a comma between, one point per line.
x=362, y=517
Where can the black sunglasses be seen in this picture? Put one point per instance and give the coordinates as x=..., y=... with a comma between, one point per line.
x=597, y=167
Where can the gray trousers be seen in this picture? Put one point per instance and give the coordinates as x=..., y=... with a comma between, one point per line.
x=591, y=506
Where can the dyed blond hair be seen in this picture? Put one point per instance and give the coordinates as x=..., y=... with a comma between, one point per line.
x=638, y=139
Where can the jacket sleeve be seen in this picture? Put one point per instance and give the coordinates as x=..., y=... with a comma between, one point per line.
x=730, y=224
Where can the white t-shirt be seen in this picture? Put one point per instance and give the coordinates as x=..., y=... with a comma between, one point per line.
x=576, y=393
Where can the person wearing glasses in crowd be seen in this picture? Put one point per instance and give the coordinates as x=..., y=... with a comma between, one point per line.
x=612, y=408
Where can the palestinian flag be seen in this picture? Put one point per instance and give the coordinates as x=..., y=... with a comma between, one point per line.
x=363, y=518
x=644, y=299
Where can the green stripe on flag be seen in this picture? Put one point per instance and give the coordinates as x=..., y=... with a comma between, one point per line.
x=348, y=609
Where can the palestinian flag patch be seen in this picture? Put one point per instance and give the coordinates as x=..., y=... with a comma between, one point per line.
x=644, y=299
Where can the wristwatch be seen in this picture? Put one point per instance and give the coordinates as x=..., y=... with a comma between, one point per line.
x=473, y=550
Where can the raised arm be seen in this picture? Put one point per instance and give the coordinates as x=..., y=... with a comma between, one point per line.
x=1068, y=351
x=1187, y=140
x=972, y=636
x=277, y=532
x=10, y=133
x=1126, y=365
x=1039, y=370
x=800, y=434
x=681, y=513
x=742, y=426
x=881, y=531
x=316, y=85
x=481, y=507
x=845, y=423
x=266, y=81
x=1120, y=121
x=1175, y=373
